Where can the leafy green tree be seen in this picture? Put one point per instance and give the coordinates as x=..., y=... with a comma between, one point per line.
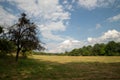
x=75, y=52
x=6, y=47
x=89, y=50
x=98, y=49
x=118, y=49
x=80, y=50
x=112, y=48
x=24, y=35
x=102, y=49
x=85, y=51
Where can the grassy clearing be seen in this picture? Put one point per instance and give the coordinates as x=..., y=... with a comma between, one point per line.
x=60, y=68
x=66, y=59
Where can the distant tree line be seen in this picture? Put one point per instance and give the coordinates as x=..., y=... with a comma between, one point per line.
x=47, y=53
x=110, y=49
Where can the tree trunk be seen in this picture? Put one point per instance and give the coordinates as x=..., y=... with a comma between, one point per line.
x=17, y=54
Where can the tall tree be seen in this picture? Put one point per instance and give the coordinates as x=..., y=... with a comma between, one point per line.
x=24, y=35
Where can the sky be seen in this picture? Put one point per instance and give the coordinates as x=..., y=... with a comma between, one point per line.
x=67, y=24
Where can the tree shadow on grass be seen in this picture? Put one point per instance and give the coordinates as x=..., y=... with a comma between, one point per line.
x=36, y=69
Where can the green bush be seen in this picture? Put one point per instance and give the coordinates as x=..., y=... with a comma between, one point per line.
x=6, y=47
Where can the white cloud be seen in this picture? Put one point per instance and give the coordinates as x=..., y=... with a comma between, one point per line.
x=66, y=45
x=44, y=8
x=54, y=26
x=65, y=2
x=92, y=4
x=89, y=4
x=114, y=18
x=48, y=14
x=58, y=16
x=49, y=35
x=46, y=30
x=90, y=39
x=110, y=35
x=69, y=44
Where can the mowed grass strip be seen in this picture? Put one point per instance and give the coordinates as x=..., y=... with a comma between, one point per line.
x=66, y=59
x=61, y=68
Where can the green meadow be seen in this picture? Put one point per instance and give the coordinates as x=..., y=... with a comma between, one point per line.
x=38, y=67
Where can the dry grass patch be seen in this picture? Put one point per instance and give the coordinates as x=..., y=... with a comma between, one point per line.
x=60, y=68
x=67, y=59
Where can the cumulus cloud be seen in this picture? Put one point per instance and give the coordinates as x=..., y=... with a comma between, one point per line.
x=69, y=44
x=89, y=4
x=46, y=9
x=92, y=4
x=66, y=45
x=48, y=14
x=47, y=29
x=110, y=35
x=114, y=18
x=53, y=26
x=58, y=16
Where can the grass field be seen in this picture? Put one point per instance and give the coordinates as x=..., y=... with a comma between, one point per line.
x=39, y=67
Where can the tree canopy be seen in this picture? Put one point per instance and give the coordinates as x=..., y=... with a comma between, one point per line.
x=110, y=49
x=24, y=35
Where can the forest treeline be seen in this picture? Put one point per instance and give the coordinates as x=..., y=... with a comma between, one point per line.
x=110, y=49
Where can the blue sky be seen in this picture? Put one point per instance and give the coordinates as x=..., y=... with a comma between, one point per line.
x=67, y=24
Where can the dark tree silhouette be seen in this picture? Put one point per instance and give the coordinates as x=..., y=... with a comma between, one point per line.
x=1, y=29
x=23, y=34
